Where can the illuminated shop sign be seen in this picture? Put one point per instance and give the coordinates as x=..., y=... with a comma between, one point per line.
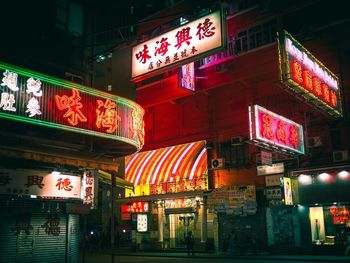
x=287, y=186
x=307, y=77
x=187, y=77
x=38, y=99
x=142, y=223
x=179, y=46
x=88, y=188
x=38, y=183
x=275, y=131
x=341, y=216
x=139, y=207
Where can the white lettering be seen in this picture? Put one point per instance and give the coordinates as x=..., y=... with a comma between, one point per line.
x=312, y=65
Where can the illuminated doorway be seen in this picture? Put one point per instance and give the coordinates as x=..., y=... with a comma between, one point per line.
x=179, y=226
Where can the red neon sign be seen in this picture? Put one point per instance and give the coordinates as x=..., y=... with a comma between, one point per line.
x=275, y=130
x=139, y=207
x=307, y=77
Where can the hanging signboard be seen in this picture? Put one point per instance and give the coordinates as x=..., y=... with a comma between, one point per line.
x=187, y=77
x=271, y=130
x=88, y=188
x=39, y=184
x=42, y=100
x=287, y=187
x=307, y=77
x=181, y=45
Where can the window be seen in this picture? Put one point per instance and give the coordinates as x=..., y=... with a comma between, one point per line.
x=69, y=17
x=244, y=41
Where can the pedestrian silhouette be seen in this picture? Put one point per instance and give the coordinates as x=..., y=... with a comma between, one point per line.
x=189, y=243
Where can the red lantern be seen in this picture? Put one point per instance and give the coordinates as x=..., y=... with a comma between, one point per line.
x=333, y=210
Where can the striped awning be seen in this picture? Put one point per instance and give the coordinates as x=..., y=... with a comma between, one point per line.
x=166, y=165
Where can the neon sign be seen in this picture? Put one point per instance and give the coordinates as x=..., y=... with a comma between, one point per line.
x=275, y=131
x=183, y=44
x=187, y=77
x=307, y=77
x=39, y=99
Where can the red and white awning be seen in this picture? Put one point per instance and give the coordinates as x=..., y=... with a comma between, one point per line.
x=166, y=165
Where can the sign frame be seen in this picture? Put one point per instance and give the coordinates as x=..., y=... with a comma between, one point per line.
x=56, y=92
x=192, y=58
x=299, y=90
x=257, y=137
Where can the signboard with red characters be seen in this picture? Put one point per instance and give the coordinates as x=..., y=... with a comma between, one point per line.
x=307, y=77
x=179, y=46
x=88, y=188
x=39, y=99
x=341, y=216
x=139, y=207
x=275, y=131
x=39, y=183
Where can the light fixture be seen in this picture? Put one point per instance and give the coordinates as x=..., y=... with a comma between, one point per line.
x=324, y=177
x=344, y=175
x=305, y=179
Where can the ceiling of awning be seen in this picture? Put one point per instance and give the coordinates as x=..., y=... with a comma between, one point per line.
x=170, y=164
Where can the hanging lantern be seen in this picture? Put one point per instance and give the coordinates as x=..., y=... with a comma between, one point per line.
x=333, y=209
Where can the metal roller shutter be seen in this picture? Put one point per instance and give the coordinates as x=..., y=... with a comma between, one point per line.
x=49, y=237
x=73, y=239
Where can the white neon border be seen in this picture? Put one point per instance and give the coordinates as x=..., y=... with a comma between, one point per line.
x=257, y=131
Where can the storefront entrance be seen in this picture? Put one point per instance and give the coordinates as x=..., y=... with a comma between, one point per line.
x=179, y=226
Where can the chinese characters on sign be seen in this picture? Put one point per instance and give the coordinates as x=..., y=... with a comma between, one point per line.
x=275, y=130
x=39, y=183
x=142, y=223
x=139, y=207
x=39, y=99
x=187, y=77
x=184, y=43
x=88, y=188
x=306, y=76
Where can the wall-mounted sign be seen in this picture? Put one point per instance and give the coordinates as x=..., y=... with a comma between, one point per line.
x=266, y=158
x=271, y=130
x=139, y=207
x=307, y=77
x=181, y=45
x=187, y=77
x=38, y=99
x=88, y=188
x=39, y=183
x=287, y=186
x=276, y=168
x=142, y=223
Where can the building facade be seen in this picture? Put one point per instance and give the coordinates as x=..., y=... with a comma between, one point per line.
x=255, y=163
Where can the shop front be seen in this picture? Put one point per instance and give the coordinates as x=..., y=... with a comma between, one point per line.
x=173, y=183
x=40, y=215
x=323, y=205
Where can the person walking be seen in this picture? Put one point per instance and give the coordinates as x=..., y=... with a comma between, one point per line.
x=190, y=243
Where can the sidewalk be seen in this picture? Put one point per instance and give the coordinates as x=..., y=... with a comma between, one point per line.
x=277, y=258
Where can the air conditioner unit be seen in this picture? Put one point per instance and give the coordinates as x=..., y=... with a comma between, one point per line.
x=339, y=156
x=313, y=142
x=237, y=140
x=221, y=68
x=218, y=163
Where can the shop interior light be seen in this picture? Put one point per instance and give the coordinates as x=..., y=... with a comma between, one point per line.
x=344, y=175
x=305, y=179
x=324, y=177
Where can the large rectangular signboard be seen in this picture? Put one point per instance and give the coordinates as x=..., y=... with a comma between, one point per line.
x=275, y=131
x=307, y=77
x=179, y=46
